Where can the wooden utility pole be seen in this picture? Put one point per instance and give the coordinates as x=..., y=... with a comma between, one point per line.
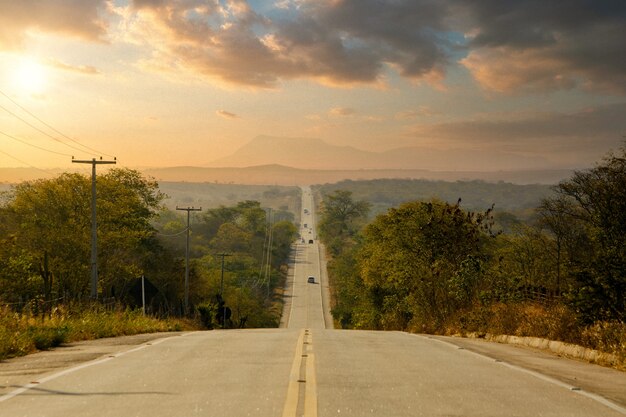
x=188, y=210
x=94, y=226
x=223, y=255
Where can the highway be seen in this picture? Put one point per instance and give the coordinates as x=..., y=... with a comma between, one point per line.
x=303, y=368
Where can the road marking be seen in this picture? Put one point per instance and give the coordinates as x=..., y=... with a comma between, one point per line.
x=296, y=380
x=310, y=396
x=549, y=379
x=67, y=371
x=293, y=390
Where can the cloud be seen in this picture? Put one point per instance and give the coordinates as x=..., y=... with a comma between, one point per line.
x=77, y=18
x=342, y=111
x=522, y=46
x=582, y=132
x=226, y=114
x=421, y=111
x=82, y=69
x=333, y=42
x=533, y=45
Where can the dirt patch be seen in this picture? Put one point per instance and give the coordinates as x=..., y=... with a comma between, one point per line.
x=17, y=372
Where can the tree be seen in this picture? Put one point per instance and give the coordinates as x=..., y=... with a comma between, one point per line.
x=596, y=200
x=50, y=222
x=341, y=219
x=423, y=261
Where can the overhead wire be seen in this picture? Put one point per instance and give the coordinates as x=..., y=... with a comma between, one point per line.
x=26, y=163
x=175, y=234
x=40, y=130
x=33, y=145
x=49, y=127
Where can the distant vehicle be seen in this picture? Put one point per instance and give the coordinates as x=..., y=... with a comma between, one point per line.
x=305, y=225
x=306, y=211
x=310, y=240
x=311, y=280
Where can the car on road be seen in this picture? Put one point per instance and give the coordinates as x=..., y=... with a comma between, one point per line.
x=310, y=240
x=311, y=280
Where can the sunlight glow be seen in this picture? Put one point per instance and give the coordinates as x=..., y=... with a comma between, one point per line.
x=30, y=76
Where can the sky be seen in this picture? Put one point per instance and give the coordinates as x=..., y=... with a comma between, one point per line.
x=186, y=82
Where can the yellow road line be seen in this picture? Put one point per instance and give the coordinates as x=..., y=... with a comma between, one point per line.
x=291, y=402
x=310, y=396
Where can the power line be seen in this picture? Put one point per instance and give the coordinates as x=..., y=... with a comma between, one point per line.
x=26, y=163
x=173, y=235
x=34, y=146
x=52, y=128
x=39, y=130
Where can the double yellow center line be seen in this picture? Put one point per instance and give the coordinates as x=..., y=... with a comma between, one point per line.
x=302, y=380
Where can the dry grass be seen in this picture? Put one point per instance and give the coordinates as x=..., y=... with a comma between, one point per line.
x=555, y=322
x=21, y=334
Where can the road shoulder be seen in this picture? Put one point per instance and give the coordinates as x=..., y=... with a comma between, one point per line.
x=18, y=372
x=606, y=382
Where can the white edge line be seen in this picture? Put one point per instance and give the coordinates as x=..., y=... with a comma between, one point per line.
x=94, y=362
x=577, y=390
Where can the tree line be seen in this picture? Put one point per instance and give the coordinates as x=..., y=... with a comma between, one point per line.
x=45, y=249
x=433, y=266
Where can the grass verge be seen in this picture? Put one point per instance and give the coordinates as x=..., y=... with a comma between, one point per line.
x=21, y=334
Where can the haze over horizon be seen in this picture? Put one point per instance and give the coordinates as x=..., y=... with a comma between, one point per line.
x=526, y=84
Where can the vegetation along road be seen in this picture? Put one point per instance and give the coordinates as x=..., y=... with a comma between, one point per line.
x=306, y=368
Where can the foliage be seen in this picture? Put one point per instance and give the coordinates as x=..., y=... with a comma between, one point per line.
x=252, y=262
x=423, y=261
x=429, y=266
x=384, y=194
x=45, y=238
x=21, y=334
x=588, y=219
x=45, y=249
x=341, y=218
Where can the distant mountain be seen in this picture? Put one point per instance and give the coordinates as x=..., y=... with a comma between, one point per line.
x=309, y=153
x=283, y=175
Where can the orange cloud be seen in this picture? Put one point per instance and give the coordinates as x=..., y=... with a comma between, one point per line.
x=74, y=18
x=506, y=70
x=82, y=69
x=328, y=42
x=226, y=114
x=342, y=111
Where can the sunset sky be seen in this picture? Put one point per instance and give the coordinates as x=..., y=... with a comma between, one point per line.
x=186, y=82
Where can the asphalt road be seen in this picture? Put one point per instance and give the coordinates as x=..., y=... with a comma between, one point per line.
x=304, y=368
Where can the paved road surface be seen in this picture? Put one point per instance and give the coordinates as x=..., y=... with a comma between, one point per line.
x=304, y=368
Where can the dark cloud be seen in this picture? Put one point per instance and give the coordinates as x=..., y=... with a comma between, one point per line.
x=511, y=46
x=353, y=39
x=336, y=42
x=582, y=131
x=547, y=45
x=77, y=18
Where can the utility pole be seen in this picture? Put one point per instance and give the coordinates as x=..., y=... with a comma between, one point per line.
x=188, y=210
x=223, y=255
x=94, y=226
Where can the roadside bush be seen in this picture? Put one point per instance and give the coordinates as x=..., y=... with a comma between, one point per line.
x=606, y=336
x=21, y=334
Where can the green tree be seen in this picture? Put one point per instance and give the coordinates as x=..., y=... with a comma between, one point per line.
x=49, y=223
x=341, y=219
x=423, y=261
x=596, y=200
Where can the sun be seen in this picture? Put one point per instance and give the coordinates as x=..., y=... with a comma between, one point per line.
x=30, y=76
